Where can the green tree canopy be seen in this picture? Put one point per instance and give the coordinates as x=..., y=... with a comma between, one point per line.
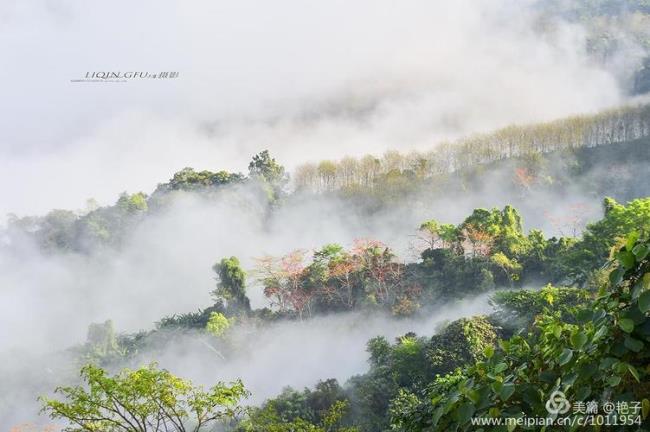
x=218, y=324
x=264, y=166
x=600, y=354
x=143, y=400
x=231, y=283
x=601, y=237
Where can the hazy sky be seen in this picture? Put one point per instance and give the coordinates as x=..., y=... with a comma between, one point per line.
x=306, y=79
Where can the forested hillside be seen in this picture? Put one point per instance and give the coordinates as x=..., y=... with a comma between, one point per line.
x=586, y=156
x=290, y=216
x=525, y=142
x=558, y=303
x=494, y=366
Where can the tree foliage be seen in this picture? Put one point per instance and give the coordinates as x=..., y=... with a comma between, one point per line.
x=267, y=170
x=231, y=284
x=218, y=324
x=266, y=167
x=410, y=363
x=143, y=400
x=323, y=409
x=394, y=172
x=337, y=279
x=600, y=354
x=601, y=237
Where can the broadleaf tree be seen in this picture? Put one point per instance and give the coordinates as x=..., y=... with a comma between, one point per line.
x=147, y=399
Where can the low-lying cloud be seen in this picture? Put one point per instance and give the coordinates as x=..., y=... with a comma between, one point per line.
x=306, y=80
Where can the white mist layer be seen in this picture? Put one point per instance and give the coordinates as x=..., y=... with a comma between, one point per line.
x=164, y=265
x=307, y=80
x=293, y=353
x=299, y=354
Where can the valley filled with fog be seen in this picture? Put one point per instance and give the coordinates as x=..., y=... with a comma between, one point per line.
x=331, y=225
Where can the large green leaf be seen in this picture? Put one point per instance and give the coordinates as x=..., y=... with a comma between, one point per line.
x=626, y=324
x=626, y=258
x=565, y=357
x=631, y=240
x=578, y=340
x=464, y=412
x=506, y=391
x=644, y=301
x=616, y=276
x=640, y=251
x=633, y=344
